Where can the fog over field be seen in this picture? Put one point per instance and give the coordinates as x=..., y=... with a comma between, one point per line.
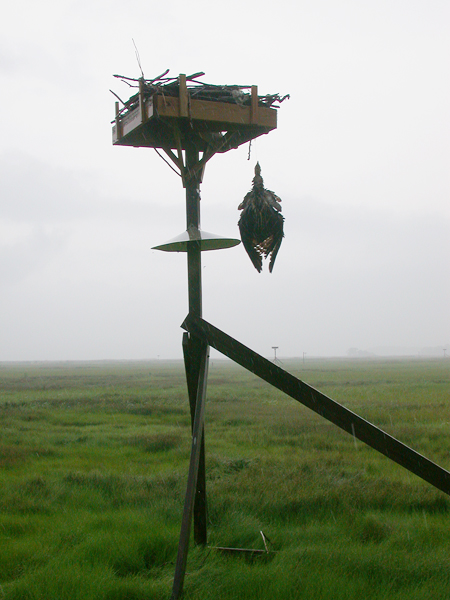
x=360, y=159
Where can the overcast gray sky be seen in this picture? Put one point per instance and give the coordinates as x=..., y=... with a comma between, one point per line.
x=360, y=159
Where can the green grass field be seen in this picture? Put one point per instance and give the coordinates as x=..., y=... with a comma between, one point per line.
x=93, y=467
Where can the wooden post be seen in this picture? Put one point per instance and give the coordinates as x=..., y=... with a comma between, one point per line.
x=141, y=101
x=197, y=435
x=254, y=105
x=118, y=123
x=193, y=348
x=184, y=100
x=196, y=354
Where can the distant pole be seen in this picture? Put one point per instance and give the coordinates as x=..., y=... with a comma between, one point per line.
x=304, y=357
x=275, y=348
x=445, y=350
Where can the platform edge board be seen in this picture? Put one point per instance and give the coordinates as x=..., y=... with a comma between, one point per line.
x=148, y=127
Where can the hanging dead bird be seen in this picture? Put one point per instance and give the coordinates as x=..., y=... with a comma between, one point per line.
x=261, y=223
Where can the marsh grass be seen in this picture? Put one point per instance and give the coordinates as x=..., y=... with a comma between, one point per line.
x=93, y=465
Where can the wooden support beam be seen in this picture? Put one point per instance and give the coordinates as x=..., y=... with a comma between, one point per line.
x=183, y=547
x=194, y=264
x=141, y=101
x=199, y=168
x=228, y=141
x=174, y=158
x=319, y=403
x=118, y=123
x=180, y=155
x=193, y=350
x=254, y=105
x=184, y=97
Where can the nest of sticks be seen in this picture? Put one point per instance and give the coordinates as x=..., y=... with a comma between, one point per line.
x=198, y=90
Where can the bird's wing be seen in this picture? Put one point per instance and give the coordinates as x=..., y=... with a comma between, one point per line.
x=278, y=236
x=245, y=201
x=250, y=246
x=273, y=200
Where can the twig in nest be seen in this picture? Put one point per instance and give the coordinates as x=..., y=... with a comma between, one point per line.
x=150, y=81
x=118, y=98
x=125, y=78
x=194, y=76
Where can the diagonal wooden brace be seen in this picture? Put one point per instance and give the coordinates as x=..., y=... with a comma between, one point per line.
x=193, y=350
x=197, y=435
x=319, y=403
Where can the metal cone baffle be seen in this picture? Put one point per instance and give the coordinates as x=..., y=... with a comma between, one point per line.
x=208, y=241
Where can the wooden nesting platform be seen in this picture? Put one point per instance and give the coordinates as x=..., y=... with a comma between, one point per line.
x=176, y=116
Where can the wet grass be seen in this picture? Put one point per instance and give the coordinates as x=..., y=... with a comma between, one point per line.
x=93, y=467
